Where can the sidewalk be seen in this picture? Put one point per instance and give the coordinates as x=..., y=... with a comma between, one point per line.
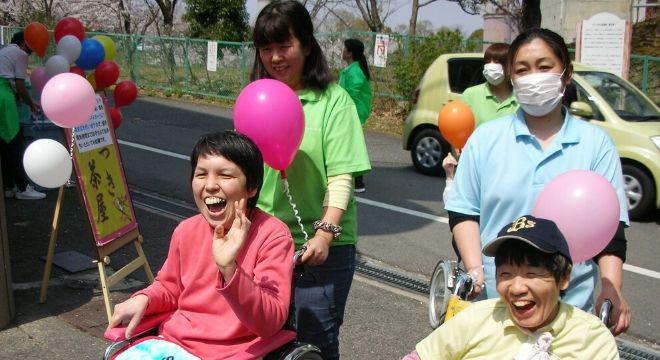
x=72, y=321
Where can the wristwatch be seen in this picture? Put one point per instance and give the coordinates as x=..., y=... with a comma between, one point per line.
x=335, y=230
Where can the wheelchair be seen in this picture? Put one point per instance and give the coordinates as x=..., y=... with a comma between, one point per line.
x=451, y=286
x=281, y=346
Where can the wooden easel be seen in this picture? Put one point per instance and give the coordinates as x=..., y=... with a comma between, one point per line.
x=110, y=239
x=103, y=259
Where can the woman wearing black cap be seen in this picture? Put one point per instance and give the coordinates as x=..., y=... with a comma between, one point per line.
x=528, y=320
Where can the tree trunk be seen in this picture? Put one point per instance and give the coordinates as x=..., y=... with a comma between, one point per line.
x=167, y=9
x=531, y=15
x=125, y=17
x=412, y=27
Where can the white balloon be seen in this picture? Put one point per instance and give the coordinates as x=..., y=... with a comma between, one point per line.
x=56, y=64
x=69, y=47
x=47, y=163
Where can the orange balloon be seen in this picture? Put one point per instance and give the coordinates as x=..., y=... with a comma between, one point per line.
x=456, y=123
x=36, y=37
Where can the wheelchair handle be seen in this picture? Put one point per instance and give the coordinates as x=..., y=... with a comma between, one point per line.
x=463, y=286
x=605, y=312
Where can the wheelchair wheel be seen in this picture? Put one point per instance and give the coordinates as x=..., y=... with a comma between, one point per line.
x=439, y=292
x=301, y=351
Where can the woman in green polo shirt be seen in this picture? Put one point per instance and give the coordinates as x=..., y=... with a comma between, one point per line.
x=489, y=101
x=494, y=98
x=355, y=80
x=320, y=177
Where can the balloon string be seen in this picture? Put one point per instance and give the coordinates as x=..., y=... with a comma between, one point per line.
x=73, y=130
x=285, y=182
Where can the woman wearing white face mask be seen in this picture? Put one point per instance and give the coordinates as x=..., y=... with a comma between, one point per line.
x=507, y=162
x=494, y=98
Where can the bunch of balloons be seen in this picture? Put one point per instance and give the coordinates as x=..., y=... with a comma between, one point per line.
x=77, y=55
x=67, y=92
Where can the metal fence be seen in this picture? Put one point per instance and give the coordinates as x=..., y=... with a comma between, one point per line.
x=178, y=65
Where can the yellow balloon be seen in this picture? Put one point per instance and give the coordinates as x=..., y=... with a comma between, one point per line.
x=108, y=46
x=92, y=80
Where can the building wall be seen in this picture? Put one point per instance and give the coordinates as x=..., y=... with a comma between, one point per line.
x=562, y=16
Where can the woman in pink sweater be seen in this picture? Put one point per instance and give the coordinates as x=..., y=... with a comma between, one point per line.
x=227, y=276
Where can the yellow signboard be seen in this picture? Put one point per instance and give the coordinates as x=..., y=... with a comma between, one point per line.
x=101, y=177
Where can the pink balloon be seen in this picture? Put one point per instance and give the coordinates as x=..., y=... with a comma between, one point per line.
x=38, y=79
x=585, y=207
x=68, y=100
x=269, y=112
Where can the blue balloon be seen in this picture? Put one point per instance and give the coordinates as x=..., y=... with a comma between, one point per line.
x=91, y=54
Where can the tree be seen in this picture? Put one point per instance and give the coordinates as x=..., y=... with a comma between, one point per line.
x=424, y=28
x=217, y=19
x=343, y=20
x=167, y=8
x=412, y=27
x=376, y=12
x=122, y=16
x=525, y=14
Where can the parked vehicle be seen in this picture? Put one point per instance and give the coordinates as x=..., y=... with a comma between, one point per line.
x=605, y=99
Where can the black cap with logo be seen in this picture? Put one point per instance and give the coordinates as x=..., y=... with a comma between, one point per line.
x=540, y=233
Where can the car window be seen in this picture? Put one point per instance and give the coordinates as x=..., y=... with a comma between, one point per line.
x=583, y=96
x=620, y=96
x=465, y=72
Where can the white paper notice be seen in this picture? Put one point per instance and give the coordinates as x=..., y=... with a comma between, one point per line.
x=94, y=133
x=212, y=56
x=603, y=41
x=380, y=50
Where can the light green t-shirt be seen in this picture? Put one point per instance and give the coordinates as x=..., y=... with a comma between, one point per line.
x=485, y=330
x=333, y=144
x=353, y=80
x=485, y=106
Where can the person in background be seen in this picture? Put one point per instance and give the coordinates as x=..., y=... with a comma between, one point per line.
x=13, y=72
x=494, y=98
x=488, y=101
x=528, y=321
x=355, y=78
x=507, y=162
x=332, y=152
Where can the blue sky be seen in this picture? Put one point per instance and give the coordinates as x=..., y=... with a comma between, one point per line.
x=440, y=13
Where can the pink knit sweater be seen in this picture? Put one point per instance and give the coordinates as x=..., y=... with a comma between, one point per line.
x=213, y=319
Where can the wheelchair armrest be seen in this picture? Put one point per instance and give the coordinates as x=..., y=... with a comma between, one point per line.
x=265, y=345
x=147, y=323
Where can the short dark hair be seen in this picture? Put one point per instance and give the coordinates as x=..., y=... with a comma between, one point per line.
x=356, y=48
x=18, y=38
x=496, y=52
x=551, y=38
x=519, y=253
x=238, y=149
x=277, y=23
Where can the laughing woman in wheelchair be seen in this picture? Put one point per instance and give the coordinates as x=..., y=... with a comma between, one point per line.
x=528, y=320
x=226, y=282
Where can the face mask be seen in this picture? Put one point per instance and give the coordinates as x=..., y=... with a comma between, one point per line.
x=493, y=73
x=538, y=93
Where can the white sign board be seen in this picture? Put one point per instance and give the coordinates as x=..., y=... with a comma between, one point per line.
x=603, y=43
x=380, y=50
x=94, y=133
x=212, y=56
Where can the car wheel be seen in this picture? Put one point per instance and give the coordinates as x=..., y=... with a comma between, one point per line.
x=639, y=190
x=427, y=151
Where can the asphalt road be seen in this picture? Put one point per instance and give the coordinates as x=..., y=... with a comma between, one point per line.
x=401, y=223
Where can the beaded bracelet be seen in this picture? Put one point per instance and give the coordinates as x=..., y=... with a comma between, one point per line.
x=335, y=230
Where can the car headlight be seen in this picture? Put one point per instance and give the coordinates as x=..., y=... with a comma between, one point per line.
x=656, y=141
